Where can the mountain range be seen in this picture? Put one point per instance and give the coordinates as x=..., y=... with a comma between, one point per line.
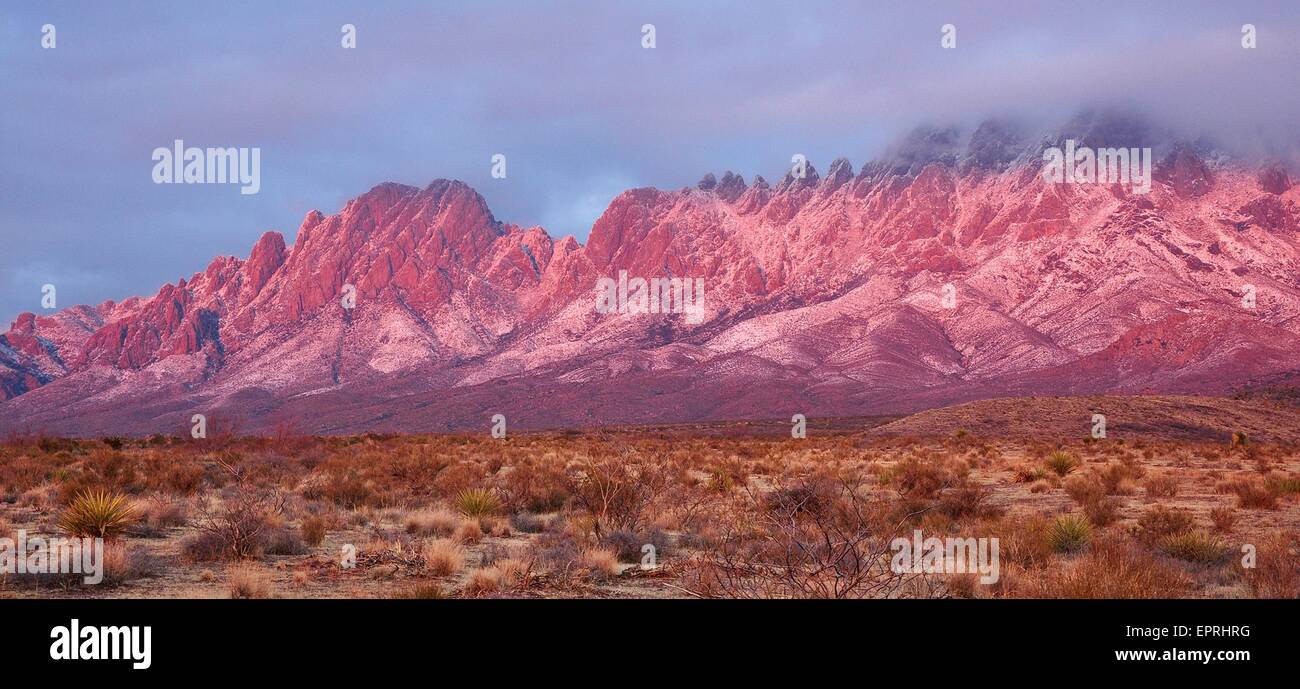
x=947, y=270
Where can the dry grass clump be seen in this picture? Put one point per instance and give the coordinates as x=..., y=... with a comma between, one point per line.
x=1161, y=487
x=1030, y=473
x=246, y=580
x=123, y=563
x=431, y=522
x=422, y=590
x=313, y=529
x=1254, y=495
x=1276, y=570
x=1112, y=569
x=1026, y=541
x=601, y=561
x=1223, y=518
x=157, y=514
x=1284, y=485
x=483, y=581
x=443, y=556
x=469, y=531
x=1118, y=479
x=1160, y=522
x=1090, y=493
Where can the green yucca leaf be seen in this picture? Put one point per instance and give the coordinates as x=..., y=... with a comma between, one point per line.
x=97, y=514
x=477, y=502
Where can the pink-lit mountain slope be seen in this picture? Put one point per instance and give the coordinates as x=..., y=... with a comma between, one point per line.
x=823, y=295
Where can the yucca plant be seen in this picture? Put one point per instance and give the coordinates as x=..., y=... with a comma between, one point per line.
x=1195, y=546
x=1285, y=484
x=1061, y=462
x=97, y=514
x=477, y=502
x=1069, y=533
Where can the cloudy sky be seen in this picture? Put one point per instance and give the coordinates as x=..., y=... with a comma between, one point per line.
x=563, y=89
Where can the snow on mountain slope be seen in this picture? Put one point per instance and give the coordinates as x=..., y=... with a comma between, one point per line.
x=949, y=270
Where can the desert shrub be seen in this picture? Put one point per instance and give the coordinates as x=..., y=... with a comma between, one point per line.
x=1116, y=479
x=97, y=514
x=163, y=513
x=477, y=503
x=156, y=515
x=1069, y=533
x=204, y=546
x=966, y=499
x=526, y=522
x=1102, y=512
x=469, y=531
x=1026, y=542
x=1160, y=522
x=1030, y=473
x=167, y=473
x=922, y=479
x=628, y=546
x=1284, y=485
x=534, y=487
x=21, y=473
x=842, y=553
x=616, y=492
x=555, y=551
x=1090, y=493
x=1276, y=573
x=1112, y=570
x=313, y=529
x=1061, y=462
x=1224, y=518
x=1161, y=487
x=1253, y=495
x=282, y=541
x=813, y=496
x=347, y=491
x=458, y=478
x=1194, y=546
x=238, y=526
x=1085, y=490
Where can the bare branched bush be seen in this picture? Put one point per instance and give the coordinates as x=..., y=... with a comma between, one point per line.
x=616, y=492
x=816, y=546
x=238, y=525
